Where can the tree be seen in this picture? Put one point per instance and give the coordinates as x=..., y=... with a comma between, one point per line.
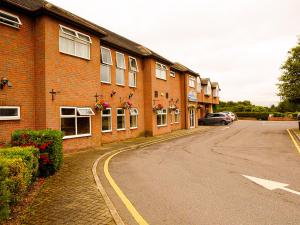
x=289, y=81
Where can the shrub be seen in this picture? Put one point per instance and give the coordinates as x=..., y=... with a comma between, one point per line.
x=278, y=114
x=4, y=192
x=257, y=115
x=49, y=143
x=29, y=155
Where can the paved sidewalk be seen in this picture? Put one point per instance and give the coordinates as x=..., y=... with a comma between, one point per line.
x=71, y=195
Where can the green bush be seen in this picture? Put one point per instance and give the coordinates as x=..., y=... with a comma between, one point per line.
x=29, y=155
x=49, y=143
x=257, y=115
x=278, y=114
x=4, y=192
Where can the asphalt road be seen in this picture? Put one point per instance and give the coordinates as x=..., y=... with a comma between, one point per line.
x=197, y=180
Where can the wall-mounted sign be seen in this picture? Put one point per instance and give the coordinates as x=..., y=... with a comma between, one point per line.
x=192, y=96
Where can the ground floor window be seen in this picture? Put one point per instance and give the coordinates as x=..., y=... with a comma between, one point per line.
x=120, y=119
x=171, y=117
x=161, y=117
x=9, y=112
x=134, y=118
x=75, y=122
x=177, y=116
x=106, y=120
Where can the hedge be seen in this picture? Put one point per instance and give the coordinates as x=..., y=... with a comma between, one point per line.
x=18, y=169
x=49, y=143
x=257, y=115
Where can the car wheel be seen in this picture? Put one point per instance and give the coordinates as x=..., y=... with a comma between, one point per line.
x=223, y=123
x=201, y=123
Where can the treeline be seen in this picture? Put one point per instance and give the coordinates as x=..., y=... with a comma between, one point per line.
x=247, y=106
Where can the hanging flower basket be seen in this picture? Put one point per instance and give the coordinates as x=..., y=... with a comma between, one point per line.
x=101, y=105
x=158, y=107
x=127, y=105
x=173, y=107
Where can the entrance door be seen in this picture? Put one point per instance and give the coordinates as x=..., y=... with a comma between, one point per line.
x=192, y=117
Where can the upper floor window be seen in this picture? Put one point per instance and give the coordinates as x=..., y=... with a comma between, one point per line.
x=133, y=69
x=120, y=70
x=192, y=80
x=198, y=84
x=208, y=89
x=161, y=71
x=106, y=62
x=172, y=74
x=10, y=19
x=216, y=92
x=74, y=43
x=9, y=112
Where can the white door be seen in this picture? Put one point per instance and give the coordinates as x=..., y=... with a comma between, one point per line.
x=192, y=118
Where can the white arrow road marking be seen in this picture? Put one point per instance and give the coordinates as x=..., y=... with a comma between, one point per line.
x=271, y=185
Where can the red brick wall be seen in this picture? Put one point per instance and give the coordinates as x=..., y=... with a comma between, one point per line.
x=17, y=64
x=122, y=95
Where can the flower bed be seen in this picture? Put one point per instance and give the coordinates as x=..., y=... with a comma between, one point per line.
x=49, y=143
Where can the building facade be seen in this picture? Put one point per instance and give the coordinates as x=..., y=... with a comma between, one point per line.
x=62, y=72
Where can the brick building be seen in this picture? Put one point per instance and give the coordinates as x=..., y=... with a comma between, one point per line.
x=55, y=66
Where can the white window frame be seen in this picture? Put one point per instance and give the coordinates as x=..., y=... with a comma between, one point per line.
x=162, y=113
x=75, y=116
x=76, y=38
x=132, y=68
x=123, y=115
x=172, y=74
x=162, y=71
x=216, y=92
x=109, y=74
x=192, y=82
x=102, y=52
x=18, y=117
x=120, y=68
x=208, y=89
x=135, y=79
x=177, y=113
x=136, y=114
x=107, y=115
x=198, y=83
x=16, y=24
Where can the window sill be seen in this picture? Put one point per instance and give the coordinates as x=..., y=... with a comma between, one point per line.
x=65, y=53
x=121, y=85
x=176, y=122
x=121, y=129
x=131, y=86
x=8, y=119
x=76, y=136
x=105, y=82
x=133, y=128
x=165, y=125
x=106, y=131
x=161, y=78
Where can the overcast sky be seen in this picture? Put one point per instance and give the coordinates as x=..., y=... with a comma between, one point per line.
x=239, y=43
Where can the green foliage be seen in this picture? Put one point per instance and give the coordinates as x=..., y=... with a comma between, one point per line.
x=241, y=106
x=289, y=81
x=18, y=170
x=278, y=114
x=288, y=106
x=49, y=143
x=257, y=115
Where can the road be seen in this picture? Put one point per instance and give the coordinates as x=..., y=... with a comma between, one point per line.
x=197, y=180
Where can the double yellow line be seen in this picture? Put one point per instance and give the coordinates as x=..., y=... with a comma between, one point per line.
x=294, y=141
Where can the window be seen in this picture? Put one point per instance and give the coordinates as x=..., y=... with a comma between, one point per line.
x=133, y=71
x=198, y=85
x=9, y=112
x=106, y=120
x=156, y=94
x=177, y=116
x=133, y=118
x=192, y=81
x=120, y=119
x=167, y=95
x=208, y=89
x=216, y=92
x=10, y=19
x=133, y=64
x=75, y=122
x=161, y=117
x=171, y=117
x=120, y=68
x=172, y=74
x=106, y=62
x=132, y=79
x=161, y=71
x=74, y=43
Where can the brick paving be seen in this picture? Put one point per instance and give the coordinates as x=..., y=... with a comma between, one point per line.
x=71, y=195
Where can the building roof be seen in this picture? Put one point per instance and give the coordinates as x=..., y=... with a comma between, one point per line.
x=215, y=85
x=181, y=68
x=205, y=81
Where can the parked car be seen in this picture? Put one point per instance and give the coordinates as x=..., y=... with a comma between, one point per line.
x=231, y=115
x=298, y=116
x=215, y=118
